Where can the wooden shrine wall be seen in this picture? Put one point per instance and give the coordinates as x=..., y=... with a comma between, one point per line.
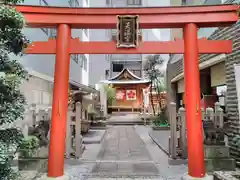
x=125, y=95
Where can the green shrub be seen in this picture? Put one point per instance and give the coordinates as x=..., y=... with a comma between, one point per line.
x=29, y=146
x=160, y=119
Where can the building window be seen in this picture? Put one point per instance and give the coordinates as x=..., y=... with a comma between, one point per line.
x=184, y=2
x=73, y=3
x=85, y=32
x=117, y=67
x=53, y=33
x=134, y=2
x=75, y=57
x=45, y=30
x=108, y=2
x=106, y=74
x=84, y=62
x=136, y=72
x=43, y=3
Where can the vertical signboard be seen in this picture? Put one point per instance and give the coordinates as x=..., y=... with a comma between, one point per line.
x=127, y=31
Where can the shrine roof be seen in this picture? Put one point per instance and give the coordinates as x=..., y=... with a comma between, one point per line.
x=122, y=74
x=125, y=82
x=125, y=77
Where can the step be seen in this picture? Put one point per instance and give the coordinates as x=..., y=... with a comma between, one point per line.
x=125, y=123
x=215, y=151
x=226, y=175
x=220, y=164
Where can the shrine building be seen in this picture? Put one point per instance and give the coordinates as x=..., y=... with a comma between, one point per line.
x=129, y=91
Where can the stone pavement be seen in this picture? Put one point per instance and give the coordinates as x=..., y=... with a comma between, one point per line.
x=123, y=117
x=94, y=136
x=127, y=152
x=161, y=139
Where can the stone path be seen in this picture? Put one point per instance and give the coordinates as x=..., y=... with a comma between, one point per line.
x=127, y=152
x=161, y=139
x=123, y=153
x=123, y=117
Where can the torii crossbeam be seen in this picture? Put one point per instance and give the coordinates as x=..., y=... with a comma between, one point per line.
x=169, y=47
x=189, y=18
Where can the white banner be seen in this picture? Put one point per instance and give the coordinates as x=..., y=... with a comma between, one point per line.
x=146, y=97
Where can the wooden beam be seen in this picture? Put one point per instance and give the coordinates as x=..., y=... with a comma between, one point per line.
x=105, y=18
x=164, y=47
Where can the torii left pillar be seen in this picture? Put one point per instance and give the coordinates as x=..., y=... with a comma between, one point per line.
x=60, y=103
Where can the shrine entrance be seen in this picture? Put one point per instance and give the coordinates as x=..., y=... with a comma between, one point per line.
x=188, y=18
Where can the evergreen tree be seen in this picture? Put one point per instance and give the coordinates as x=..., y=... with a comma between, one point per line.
x=12, y=102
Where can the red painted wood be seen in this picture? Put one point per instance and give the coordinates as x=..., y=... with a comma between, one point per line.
x=124, y=11
x=196, y=167
x=167, y=47
x=60, y=103
x=102, y=18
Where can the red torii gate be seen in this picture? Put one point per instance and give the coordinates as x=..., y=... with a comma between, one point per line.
x=188, y=18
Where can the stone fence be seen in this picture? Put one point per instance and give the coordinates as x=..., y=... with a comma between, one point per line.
x=37, y=122
x=74, y=145
x=213, y=125
x=34, y=115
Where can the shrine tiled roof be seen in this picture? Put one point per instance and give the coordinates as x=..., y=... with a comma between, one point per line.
x=125, y=77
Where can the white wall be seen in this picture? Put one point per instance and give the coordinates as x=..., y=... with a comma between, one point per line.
x=45, y=64
x=128, y=66
x=37, y=91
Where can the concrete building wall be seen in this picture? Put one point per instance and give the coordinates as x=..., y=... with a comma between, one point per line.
x=38, y=89
x=45, y=64
x=96, y=64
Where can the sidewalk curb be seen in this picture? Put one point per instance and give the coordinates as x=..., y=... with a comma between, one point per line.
x=158, y=144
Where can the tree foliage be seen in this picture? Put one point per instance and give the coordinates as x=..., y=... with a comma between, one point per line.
x=154, y=74
x=12, y=102
x=111, y=93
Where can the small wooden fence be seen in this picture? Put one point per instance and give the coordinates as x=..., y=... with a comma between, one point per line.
x=178, y=137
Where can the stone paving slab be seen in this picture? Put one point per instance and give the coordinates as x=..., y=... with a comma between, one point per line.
x=94, y=136
x=121, y=144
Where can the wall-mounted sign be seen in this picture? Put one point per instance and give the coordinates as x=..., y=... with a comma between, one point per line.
x=120, y=95
x=127, y=31
x=131, y=95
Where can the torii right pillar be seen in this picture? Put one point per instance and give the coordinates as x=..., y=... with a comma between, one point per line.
x=196, y=167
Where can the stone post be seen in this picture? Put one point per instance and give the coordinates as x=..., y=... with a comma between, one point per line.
x=183, y=139
x=219, y=121
x=203, y=113
x=78, y=136
x=209, y=114
x=217, y=106
x=69, y=134
x=25, y=130
x=34, y=115
x=173, y=128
